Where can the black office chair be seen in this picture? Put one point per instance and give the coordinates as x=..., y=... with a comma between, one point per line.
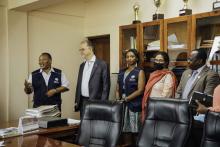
x=167, y=124
x=211, y=132
x=101, y=124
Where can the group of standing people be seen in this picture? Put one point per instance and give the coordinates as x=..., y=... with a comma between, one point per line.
x=162, y=83
x=48, y=83
x=132, y=88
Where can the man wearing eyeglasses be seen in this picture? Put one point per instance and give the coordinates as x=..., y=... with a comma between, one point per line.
x=93, y=77
x=198, y=77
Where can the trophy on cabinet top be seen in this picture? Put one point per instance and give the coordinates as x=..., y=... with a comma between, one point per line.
x=216, y=5
x=136, y=8
x=185, y=10
x=157, y=15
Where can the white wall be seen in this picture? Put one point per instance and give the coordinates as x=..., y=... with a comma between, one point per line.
x=18, y=3
x=58, y=30
x=3, y=64
x=18, y=63
x=29, y=5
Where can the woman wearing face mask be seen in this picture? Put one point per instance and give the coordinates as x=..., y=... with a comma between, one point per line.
x=161, y=83
x=130, y=88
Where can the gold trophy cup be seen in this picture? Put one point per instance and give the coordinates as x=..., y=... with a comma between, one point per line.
x=185, y=10
x=216, y=5
x=136, y=8
x=157, y=15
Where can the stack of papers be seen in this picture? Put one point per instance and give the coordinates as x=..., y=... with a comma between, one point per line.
x=71, y=121
x=215, y=47
x=176, y=46
x=154, y=45
x=207, y=44
x=2, y=143
x=46, y=110
x=27, y=123
x=173, y=43
x=9, y=132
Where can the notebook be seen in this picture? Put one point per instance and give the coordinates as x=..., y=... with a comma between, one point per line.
x=202, y=98
x=48, y=122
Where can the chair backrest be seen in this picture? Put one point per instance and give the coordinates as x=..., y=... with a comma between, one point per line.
x=167, y=124
x=211, y=132
x=101, y=124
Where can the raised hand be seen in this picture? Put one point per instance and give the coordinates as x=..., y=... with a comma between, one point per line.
x=28, y=87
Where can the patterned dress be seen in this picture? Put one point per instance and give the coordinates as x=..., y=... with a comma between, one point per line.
x=132, y=120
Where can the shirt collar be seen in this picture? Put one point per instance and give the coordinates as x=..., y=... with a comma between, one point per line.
x=92, y=59
x=200, y=69
x=51, y=70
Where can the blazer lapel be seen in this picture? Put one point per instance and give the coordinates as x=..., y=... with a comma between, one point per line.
x=202, y=73
x=186, y=78
x=81, y=72
x=94, y=69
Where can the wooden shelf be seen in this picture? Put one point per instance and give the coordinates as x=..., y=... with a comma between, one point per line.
x=177, y=49
x=147, y=51
x=125, y=32
x=204, y=26
x=152, y=28
x=179, y=63
x=215, y=62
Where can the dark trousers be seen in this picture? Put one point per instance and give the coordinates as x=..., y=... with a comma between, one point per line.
x=196, y=134
x=82, y=101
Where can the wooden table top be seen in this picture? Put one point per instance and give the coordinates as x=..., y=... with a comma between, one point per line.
x=35, y=138
x=35, y=141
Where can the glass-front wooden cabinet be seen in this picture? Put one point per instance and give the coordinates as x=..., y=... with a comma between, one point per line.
x=177, y=36
x=151, y=41
x=177, y=39
x=205, y=27
x=129, y=36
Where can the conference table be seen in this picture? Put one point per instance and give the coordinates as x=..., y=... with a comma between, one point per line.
x=35, y=141
x=51, y=137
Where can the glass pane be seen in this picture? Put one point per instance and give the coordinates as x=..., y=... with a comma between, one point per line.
x=129, y=37
x=177, y=41
x=151, y=38
x=129, y=41
x=207, y=28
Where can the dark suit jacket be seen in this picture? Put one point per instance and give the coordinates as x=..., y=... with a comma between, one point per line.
x=99, y=83
x=205, y=82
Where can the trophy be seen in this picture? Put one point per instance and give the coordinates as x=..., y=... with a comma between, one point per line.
x=216, y=5
x=136, y=8
x=185, y=10
x=157, y=15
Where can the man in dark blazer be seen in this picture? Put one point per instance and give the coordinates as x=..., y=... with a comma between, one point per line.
x=198, y=77
x=93, y=77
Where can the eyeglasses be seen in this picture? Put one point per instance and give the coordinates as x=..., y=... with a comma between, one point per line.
x=81, y=49
x=159, y=60
x=189, y=59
